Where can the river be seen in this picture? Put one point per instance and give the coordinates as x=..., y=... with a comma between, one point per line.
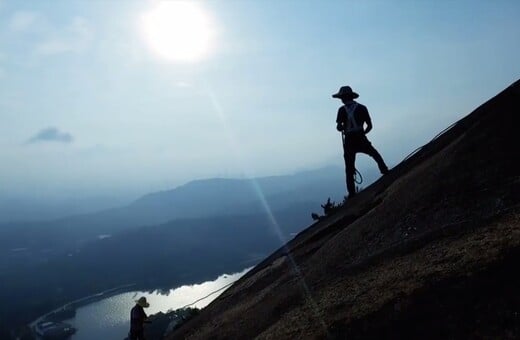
x=109, y=318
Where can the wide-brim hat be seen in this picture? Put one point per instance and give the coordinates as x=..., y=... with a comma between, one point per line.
x=142, y=302
x=345, y=92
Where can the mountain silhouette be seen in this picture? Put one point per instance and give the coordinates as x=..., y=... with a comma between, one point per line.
x=197, y=199
x=429, y=251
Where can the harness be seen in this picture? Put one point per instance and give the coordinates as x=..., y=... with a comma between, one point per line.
x=352, y=124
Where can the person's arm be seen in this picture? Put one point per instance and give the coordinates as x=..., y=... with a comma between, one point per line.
x=340, y=120
x=145, y=318
x=368, y=121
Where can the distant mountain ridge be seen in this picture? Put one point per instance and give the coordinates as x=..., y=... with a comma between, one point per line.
x=221, y=196
x=23, y=209
x=197, y=199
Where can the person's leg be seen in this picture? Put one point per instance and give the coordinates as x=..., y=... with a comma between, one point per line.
x=372, y=152
x=350, y=168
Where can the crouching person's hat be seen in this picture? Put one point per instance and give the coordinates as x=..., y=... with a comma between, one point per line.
x=142, y=302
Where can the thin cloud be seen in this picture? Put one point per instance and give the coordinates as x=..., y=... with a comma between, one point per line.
x=2, y=69
x=22, y=20
x=183, y=84
x=47, y=38
x=51, y=134
x=53, y=46
x=76, y=37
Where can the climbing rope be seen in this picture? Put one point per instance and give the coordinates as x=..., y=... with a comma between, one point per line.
x=207, y=296
x=434, y=138
x=358, y=178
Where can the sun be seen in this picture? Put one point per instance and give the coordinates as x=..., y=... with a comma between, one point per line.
x=178, y=31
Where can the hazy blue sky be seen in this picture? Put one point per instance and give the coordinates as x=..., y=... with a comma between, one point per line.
x=87, y=107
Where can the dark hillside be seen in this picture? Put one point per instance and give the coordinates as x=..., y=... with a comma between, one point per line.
x=429, y=251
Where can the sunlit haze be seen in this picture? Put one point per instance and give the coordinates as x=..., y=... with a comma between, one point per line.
x=123, y=98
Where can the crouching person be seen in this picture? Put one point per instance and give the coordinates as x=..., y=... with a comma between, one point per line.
x=137, y=319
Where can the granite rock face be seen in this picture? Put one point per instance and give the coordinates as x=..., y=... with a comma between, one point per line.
x=429, y=251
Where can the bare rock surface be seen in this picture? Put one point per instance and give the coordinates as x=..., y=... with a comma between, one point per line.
x=429, y=251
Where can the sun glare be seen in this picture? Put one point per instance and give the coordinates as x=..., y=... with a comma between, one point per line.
x=178, y=30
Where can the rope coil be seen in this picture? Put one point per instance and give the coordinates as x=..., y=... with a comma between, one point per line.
x=358, y=178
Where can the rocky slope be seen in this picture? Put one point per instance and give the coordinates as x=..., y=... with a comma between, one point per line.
x=429, y=251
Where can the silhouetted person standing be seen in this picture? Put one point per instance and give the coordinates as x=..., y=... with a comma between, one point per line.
x=351, y=120
x=137, y=319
